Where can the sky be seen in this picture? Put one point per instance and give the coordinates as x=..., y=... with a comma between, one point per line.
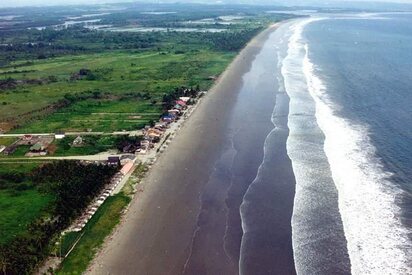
x=19, y=3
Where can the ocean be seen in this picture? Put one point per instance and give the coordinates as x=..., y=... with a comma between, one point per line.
x=299, y=161
x=349, y=82
x=316, y=173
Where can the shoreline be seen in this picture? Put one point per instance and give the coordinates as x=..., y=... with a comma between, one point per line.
x=166, y=175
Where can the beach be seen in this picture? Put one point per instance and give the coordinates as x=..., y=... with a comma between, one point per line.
x=202, y=209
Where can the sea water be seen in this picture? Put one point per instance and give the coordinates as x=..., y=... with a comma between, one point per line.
x=350, y=86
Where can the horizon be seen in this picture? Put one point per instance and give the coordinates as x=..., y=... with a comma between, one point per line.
x=297, y=3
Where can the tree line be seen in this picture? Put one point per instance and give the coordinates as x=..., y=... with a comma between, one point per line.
x=169, y=99
x=73, y=186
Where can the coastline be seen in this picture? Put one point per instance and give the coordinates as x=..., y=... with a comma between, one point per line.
x=160, y=221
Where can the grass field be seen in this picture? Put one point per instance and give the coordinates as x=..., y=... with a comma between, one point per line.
x=7, y=141
x=96, y=115
x=20, y=203
x=18, y=166
x=91, y=145
x=114, y=73
x=17, y=213
x=96, y=230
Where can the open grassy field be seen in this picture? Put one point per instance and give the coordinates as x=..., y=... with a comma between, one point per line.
x=96, y=115
x=18, y=210
x=7, y=141
x=91, y=145
x=20, y=203
x=114, y=74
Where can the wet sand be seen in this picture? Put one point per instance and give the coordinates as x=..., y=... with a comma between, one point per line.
x=177, y=225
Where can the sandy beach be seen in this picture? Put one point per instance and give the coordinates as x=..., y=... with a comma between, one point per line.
x=177, y=224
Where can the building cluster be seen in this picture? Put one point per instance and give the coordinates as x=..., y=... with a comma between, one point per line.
x=126, y=162
x=177, y=110
x=153, y=134
x=38, y=145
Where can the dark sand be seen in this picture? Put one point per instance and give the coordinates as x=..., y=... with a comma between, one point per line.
x=178, y=224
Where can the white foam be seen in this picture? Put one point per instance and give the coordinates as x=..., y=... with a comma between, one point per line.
x=377, y=240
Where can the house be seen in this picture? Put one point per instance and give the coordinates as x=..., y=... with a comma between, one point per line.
x=185, y=99
x=160, y=126
x=127, y=168
x=37, y=148
x=59, y=135
x=10, y=149
x=145, y=144
x=167, y=118
x=127, y=158
x=174, y=112
x=77, y=142
x=130, y=148
x=181, y=103
x=152, y=133
x=27, y=137
x=178, y=106
x=115, y=161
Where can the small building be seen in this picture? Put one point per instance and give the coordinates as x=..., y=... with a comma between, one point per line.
x=115, y=161
x=181, y=103
x=168, y=118
x=185, y=99
x=129, y=148
x=27, y=137
x=145, y=144
x=77, y=142
x=124, y=159
x=174, y=112
x=59, y=135
x=161, y=126
x=10, y=149
x=154, y=133
x=127, y=168
x=37, y=148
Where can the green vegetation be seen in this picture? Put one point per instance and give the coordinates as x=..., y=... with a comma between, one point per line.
x=65, y=187
x=67, y=242
x=96, y=230
x=6, y=141
x=20, y=202
x=75, y=78
x=17, y=213
x=91, y=145
x=126, y=98
x=134, y=180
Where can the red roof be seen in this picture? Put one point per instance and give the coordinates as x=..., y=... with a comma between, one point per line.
x=126, y=168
